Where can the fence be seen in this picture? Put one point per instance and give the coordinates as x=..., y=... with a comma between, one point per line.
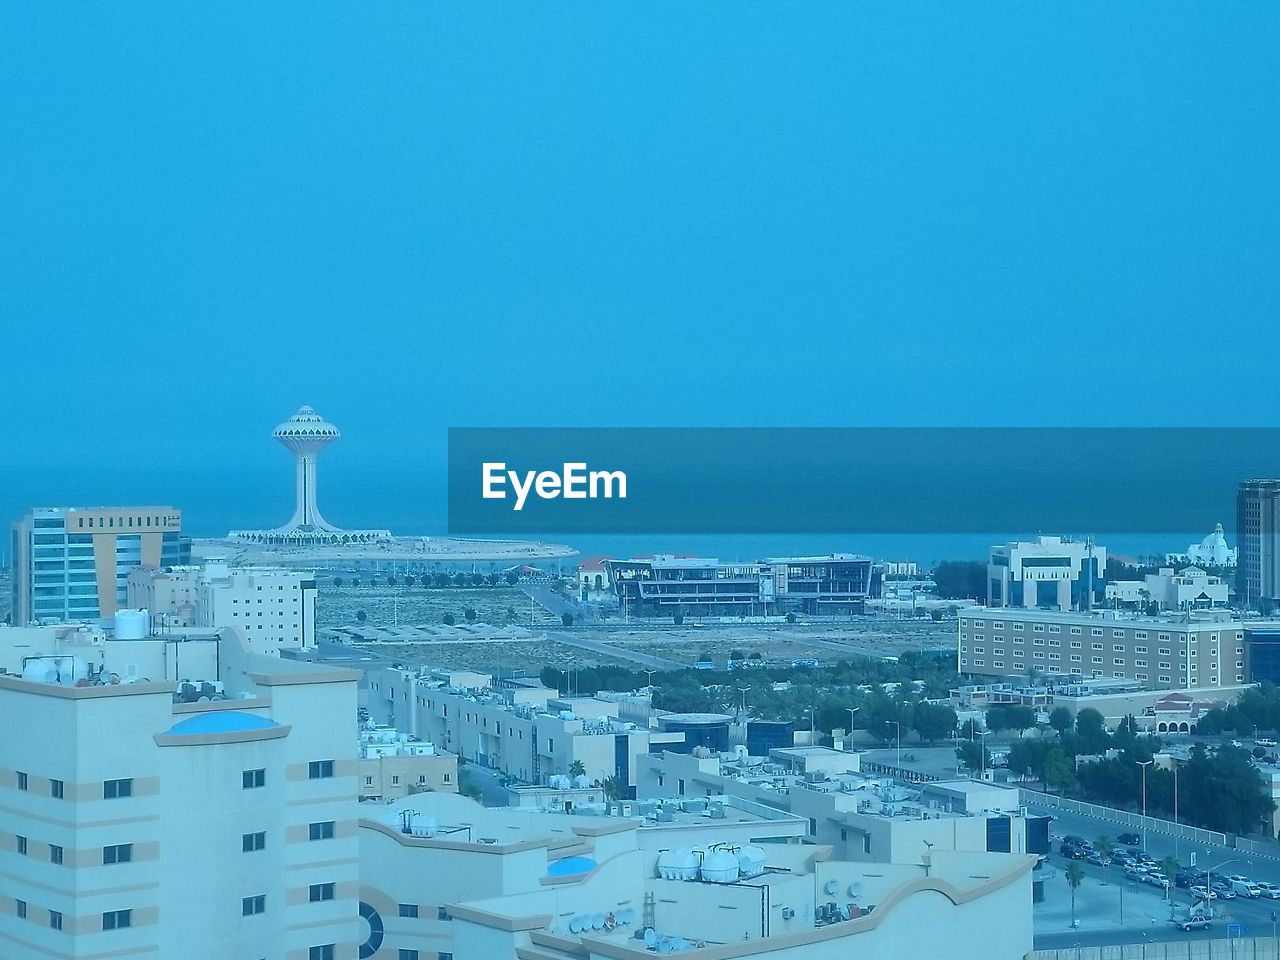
x=1230, y=948
x=899, y=773
x=1034, y=798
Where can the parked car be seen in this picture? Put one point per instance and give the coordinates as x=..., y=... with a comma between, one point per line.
x=1268, y=891
x=1158, y=879
x=1200, y=893
x=1244, y=887
x=1094, y=857
x=1135, y=873
x=1129, y=839
x=1192, y=923
x=1185, y=878
x=1224, y=889
x=1266, y=743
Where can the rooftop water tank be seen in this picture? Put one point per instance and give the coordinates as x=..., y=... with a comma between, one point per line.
x=751, y=861
x=41, y=671
x=132, y=624
x=581, y=781
x=720, y=866
x=678, y=865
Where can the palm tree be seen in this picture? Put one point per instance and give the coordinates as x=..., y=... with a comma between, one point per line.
x=1169, y=867
x=577, y=769
x=1104, y=846
x=612, y=788
x=1074, y=875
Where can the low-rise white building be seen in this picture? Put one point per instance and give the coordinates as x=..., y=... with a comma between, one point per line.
x=1187, y=589
x=529, y=733
x=274, y=608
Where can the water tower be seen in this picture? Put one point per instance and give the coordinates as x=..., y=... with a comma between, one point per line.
x=305, y=434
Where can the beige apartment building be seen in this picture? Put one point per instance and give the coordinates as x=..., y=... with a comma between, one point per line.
x=208, y=818
x=394, y=765
x=1177, y=651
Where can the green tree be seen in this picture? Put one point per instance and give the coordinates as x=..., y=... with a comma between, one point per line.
x=577, y=769
x=1092, y=729
x=361, y=616
x=1075, y=876
x=973, y=755
x=1019, y=718
x=1026, y=757
x=677, y=618
x=450, y=619
x=961, y=579
x=512, y=577
x=566, y=618
x=337, y=581
x=998, y=719
x=933, y=721
x=1104, y=847
x=791, y=618
x=970, y=729
x=1061, y=720
x=612, y=787
x=470, y=614
x=1059, y=771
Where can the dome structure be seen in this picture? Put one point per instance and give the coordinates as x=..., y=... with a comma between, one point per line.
x=1212, y=550
x=306, y=432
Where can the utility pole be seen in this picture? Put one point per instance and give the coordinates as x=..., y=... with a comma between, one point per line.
x=1144, y=764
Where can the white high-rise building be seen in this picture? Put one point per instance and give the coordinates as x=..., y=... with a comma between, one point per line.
x=1047, y=572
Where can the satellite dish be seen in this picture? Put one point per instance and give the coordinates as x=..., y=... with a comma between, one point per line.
x=575, y=925
x=855, y=888
x=650, y=937
x=597, y=921
x=831, y=886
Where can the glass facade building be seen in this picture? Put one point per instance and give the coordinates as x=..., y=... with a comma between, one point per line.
x=73, y=564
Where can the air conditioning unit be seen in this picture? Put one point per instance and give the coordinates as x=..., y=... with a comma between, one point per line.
x=788, y=913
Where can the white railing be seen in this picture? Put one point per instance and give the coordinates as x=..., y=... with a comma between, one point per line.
x=1033, y=798
x=1227, y=948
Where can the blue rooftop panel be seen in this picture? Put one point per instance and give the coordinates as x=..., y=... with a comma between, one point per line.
x=222, y=721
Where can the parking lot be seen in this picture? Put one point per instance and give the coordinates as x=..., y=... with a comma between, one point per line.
x=1115, y=903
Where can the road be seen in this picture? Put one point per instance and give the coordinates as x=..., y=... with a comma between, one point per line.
x=644, y=661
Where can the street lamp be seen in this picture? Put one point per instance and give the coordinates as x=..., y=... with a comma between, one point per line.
x=852, y=711
x=1144, y=764
x=1208, y=879
x=982, y=753
x=898, y=731
x=1175, y=810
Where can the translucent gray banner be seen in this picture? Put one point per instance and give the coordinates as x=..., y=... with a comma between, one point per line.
x=851, y=480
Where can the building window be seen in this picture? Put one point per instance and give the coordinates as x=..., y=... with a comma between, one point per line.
x=1096, y=632
x=117, y=920
x=118, y=853
x=321, y=891
x=321, y=831
x=320, y=769
x=1118, y=647
x=1139, y=649
x=1118, y=661
x=1139, y=663
x=409, y=910
x=1037, y=628
x=1075, y=644
x=1140, y=635
x=22, y=845
x=408, y=954
x=1096, y=646
x=251, y=779
x=442, y=913
x=57, y=789
x=115, y=789
x=55, y=920
x=250, y=842
x=251, y=906
x=55, y=853
x=1075, y=631
x=22, y=780
x=323, y=952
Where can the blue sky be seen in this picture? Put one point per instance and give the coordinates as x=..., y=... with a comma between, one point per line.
x=418, y=215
